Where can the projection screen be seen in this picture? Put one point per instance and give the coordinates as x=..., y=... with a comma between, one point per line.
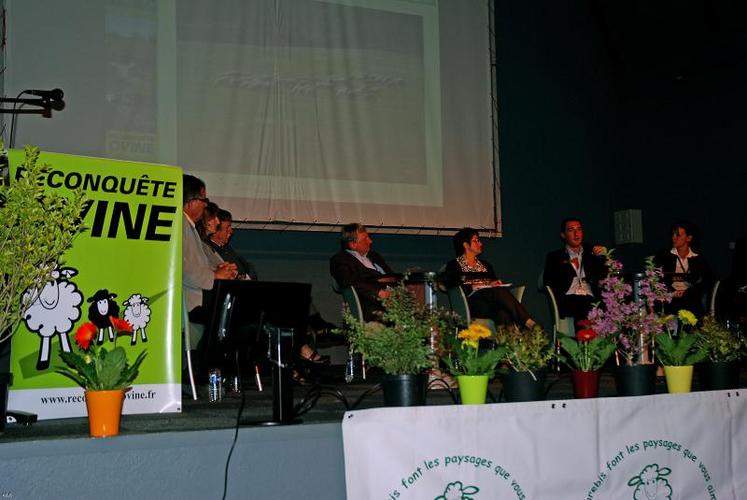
x=298, y=114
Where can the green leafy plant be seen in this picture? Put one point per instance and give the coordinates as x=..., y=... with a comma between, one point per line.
x=399, y=343
x=719, y=344
x=466, y=356
x=97, y=369
x=36, y=227
x=587, y=351
x=524, y=350
x=677, y=346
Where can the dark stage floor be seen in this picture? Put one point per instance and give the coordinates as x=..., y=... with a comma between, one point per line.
x=317, y=403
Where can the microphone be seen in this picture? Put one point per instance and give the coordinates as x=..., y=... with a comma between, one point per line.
x=54, y=94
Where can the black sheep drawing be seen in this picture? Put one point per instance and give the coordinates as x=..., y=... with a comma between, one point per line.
x=102, y=306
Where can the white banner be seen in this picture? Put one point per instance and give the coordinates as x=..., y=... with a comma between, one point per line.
x=676, y=446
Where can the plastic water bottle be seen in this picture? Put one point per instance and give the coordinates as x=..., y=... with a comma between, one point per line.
x=214, y=385
x=350, y=368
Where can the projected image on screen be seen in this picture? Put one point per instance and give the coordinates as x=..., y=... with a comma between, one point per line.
x=315, y=112
x=130, y=95
x=317, y=94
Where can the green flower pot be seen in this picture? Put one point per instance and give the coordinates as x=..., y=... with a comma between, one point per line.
x=473, y=389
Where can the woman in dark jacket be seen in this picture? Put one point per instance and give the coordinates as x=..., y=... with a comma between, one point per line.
x=685, y=272
x=485, y=295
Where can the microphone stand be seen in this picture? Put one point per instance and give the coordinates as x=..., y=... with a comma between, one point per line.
x=46, y=105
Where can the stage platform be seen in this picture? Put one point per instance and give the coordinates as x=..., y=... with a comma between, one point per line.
x=184, y=455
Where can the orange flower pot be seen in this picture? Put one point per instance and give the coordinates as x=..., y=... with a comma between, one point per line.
x=104, y=412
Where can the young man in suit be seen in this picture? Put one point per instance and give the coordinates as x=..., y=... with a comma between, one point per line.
x=573, y=272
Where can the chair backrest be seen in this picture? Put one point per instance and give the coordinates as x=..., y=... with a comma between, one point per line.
x=351, y=299
x=560, y=325
x=187, y=345
x=712, y=302
x=518, y=292
x=458, y=303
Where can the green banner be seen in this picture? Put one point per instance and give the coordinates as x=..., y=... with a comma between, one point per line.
x=127, y=264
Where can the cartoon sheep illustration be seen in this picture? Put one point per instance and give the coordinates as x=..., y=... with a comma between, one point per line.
x=650, y=483
x=101, y=308
x=458, y=491
x=137, y=314
x=53, y=310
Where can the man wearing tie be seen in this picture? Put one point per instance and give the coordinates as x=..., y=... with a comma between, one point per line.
x=358, y=266
x=574, y=271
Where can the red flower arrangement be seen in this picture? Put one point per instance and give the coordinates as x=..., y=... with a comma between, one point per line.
x=96, y=368
x=588, y=351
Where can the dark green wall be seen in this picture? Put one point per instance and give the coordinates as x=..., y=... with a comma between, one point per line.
x=576, y=136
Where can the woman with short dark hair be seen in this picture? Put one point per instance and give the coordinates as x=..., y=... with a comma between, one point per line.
x=485, y=295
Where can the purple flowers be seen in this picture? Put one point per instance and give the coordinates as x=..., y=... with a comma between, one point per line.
x=633, y=323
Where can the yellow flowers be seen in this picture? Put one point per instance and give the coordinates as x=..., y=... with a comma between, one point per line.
x=687, y=317
x=472, y=335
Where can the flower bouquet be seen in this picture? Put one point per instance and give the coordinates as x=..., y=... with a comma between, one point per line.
x=399, y=342
x=104, y=374
x=677, y=345
x=723, y=350
x=527, y=353
x=585, y=355
x=678, y=351
x=472, y=366
x=467, y=358
x=633, y=324
x=588, y=351
x=719, y=344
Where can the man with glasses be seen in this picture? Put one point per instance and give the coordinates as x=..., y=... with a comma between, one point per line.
x=197, y=273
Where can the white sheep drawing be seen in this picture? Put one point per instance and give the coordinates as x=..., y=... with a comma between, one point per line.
x=53, y=311
x=137, y=314
x=650, y=483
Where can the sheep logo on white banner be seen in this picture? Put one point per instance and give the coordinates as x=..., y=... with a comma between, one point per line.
x=682, y=469
x=458, y=491
x=650, y=483
x=54, y=312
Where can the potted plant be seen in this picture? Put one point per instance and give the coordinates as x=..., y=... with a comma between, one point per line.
x=678, y=350
x=632, y=324
x=723, y=350
x=36, y=227
x=526, y=352
x=472, y=366
x=398, y=344
x=585, y=355
x=105, y=375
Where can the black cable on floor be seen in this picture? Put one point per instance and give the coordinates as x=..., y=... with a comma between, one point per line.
x=443, y=384
x=238, y=415
x=236, y=429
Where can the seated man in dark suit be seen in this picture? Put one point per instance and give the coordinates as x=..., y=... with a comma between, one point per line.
x=573, y=272
x=358, y=266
